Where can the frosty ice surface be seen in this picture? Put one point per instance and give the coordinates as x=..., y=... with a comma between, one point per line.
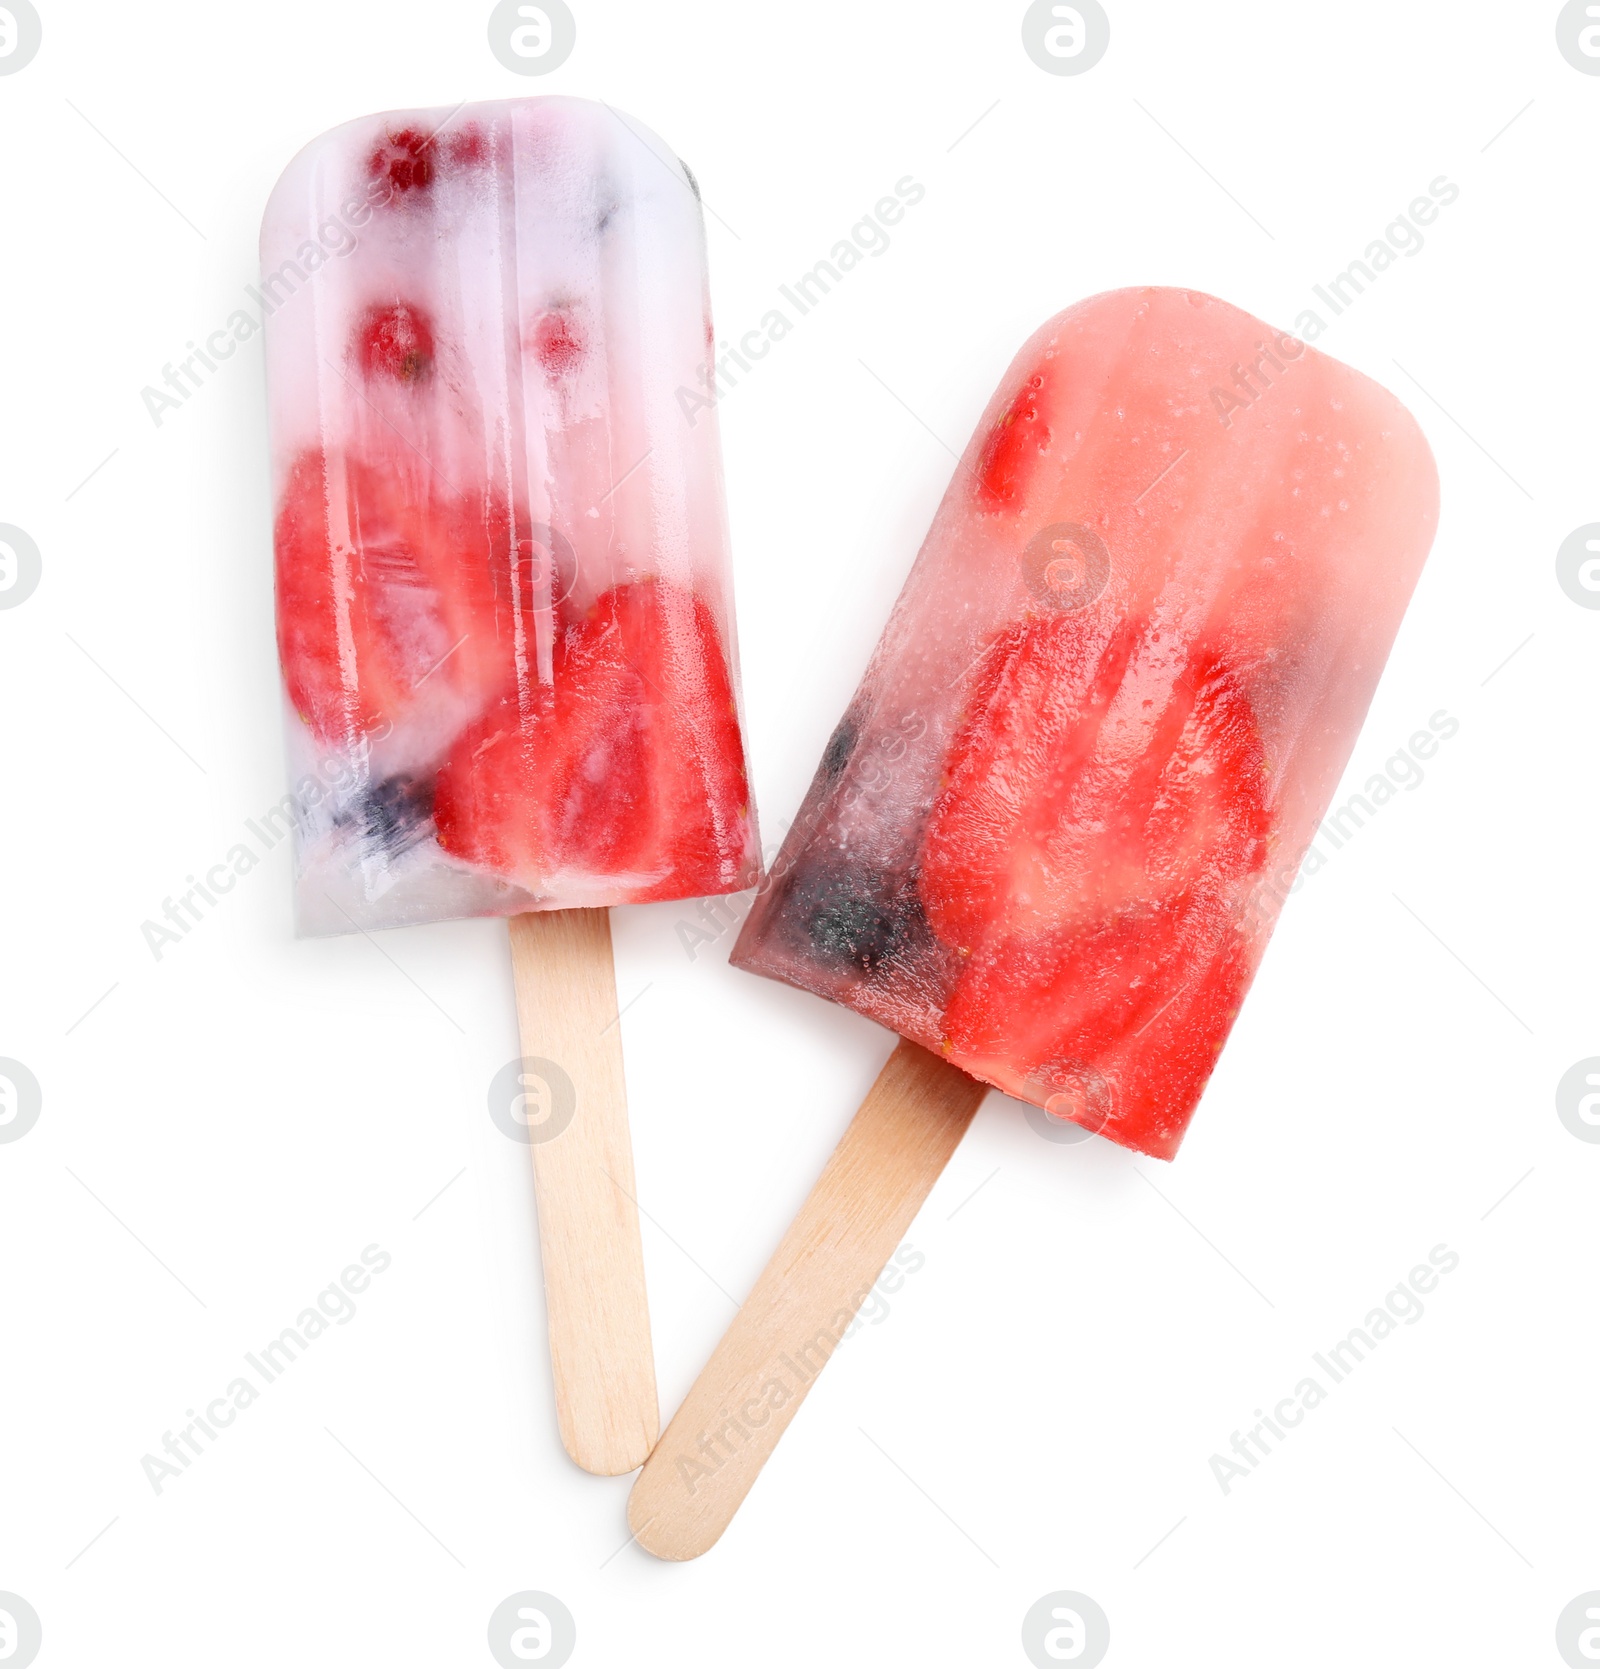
x=505, y=614
x=1052, y=833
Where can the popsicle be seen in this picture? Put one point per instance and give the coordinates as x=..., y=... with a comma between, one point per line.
x=505, y=615
x=1051, y=836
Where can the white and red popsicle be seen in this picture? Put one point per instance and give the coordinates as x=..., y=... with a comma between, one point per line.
x=505, y=613
x=1051, y=836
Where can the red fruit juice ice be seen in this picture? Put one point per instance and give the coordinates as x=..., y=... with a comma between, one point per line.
x=1050, y=837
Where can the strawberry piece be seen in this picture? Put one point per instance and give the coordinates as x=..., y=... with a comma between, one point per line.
x=1028, y=731
x=344, y=674
x=384, y=591
x=395, y=342
x=629, y=765
x=1144, y=1000
x=1085, y=858
x=1014, y=447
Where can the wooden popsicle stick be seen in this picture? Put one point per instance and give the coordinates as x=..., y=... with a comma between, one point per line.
x=600, y=1351
x=869, y=1191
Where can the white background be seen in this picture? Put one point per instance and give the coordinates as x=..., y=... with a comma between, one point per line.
x=1040, y=1407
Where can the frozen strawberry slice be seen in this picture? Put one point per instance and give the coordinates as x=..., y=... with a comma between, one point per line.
x=1023, y=735
x=346, y=673
x=628, y=764
x=1085, y=857
x=1068, y=793
x=384, y=589
x=1014, y=447
x=1144, y=1000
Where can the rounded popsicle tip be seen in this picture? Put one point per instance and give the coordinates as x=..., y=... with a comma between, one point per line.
x=603, y=1451
x=338, y=181
x=1199, y=355
x=663, y=1530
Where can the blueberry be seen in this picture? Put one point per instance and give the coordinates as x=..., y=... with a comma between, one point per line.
x=851, y=930
x=395, y=814
x=840, y=746
x=854, y=917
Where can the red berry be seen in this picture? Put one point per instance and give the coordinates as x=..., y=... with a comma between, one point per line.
x=468, y=146
x=405, y=159
x=558, y=342
x=395, y=341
